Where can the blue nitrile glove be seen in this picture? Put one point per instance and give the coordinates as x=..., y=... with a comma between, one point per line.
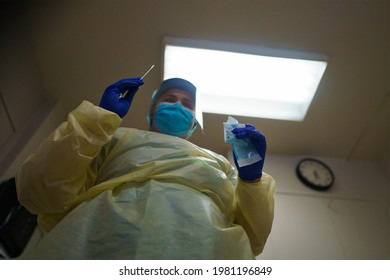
x=254, y=171
x=112, y=100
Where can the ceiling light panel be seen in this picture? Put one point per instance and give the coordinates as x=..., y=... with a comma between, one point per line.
x=243, y=80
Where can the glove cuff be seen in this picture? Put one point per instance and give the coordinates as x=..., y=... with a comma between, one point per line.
x=250, y=178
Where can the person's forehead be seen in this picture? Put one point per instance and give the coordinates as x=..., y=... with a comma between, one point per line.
x=178, y=93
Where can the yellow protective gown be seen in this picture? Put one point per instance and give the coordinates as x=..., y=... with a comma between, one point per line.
x=103, y=192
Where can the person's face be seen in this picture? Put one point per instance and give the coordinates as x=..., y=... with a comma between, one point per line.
x=173, y=96
x=177, y=95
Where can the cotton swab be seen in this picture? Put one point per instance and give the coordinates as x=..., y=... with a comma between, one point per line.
x=147, y=72
x=142, y=78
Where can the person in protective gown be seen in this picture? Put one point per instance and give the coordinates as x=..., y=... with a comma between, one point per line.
x=107, y=192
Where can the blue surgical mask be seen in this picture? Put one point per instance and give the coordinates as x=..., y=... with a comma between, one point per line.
x=173, y=119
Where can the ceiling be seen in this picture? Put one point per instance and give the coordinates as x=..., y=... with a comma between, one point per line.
x=83, y=46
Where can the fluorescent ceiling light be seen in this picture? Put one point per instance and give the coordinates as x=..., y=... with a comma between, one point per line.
x=245, y=80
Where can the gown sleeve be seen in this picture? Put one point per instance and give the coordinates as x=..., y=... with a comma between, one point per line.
x=52, y=178
x=254, y=204
x=255, y=210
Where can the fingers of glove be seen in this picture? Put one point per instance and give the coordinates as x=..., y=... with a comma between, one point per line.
x=127, y=84
x=124, y=85
x=122, y=107
x=133, y=86
x=118, y=106
x=257, y=139
x=112, y=100
x=248, y=132
x=242, y=131
x=130, y=94
x=247, y=125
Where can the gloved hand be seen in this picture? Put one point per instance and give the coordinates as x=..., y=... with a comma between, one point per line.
x=112, y=100
x=252, y=172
